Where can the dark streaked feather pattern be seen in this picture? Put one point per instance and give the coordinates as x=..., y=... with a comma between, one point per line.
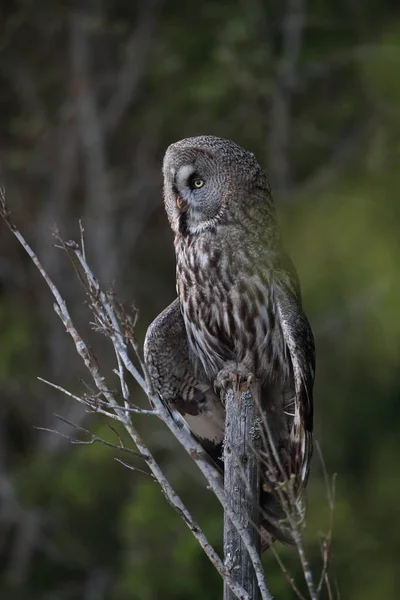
x=238, y=300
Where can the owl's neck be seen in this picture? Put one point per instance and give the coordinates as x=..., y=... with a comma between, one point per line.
x=221, y=256
x=207, y=248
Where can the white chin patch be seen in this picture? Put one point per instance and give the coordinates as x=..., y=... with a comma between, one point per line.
x=183, y=174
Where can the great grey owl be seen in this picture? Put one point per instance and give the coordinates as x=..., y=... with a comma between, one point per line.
x=238, y=304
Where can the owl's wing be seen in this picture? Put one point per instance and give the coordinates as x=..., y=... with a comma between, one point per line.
x=167, y=359
x=166, y=355
x=300, y=344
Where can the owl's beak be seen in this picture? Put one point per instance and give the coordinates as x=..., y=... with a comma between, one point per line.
x=181, y=204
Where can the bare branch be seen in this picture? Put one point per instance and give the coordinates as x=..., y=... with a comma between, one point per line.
x=112, y=318
x=190, y=445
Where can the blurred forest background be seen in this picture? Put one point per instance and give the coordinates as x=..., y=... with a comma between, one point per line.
x=91, y=94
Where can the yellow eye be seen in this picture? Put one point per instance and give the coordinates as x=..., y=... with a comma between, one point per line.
x=198, y=183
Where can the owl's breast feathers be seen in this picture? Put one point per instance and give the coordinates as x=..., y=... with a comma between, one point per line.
x=245, y=305
x=228, y=302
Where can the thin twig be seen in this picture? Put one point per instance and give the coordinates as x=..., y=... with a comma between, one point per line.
x=132, y=467
x=327, y=541
x=289, y=578
x=82, y=232
x=290, y=505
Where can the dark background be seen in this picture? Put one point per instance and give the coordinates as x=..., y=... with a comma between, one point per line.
x=90, y=97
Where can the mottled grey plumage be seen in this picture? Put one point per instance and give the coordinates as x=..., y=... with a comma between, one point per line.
x=238, y=302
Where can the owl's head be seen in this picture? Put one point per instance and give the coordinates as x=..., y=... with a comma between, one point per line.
x=210, y=180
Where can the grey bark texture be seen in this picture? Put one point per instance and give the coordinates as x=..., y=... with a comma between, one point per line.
x=241, y=483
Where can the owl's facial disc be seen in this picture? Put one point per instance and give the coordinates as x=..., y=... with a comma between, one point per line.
x=194, y=185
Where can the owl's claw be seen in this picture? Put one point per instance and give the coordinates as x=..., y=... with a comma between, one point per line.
x=233, y=375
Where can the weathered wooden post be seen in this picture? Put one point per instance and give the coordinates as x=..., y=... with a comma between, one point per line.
x=241, y=483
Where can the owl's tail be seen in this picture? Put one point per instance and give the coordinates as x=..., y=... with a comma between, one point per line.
x=282, y=503
x=274, y=522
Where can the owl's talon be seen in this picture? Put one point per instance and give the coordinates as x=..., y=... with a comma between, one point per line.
x=246, y=383
x=233, y=375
